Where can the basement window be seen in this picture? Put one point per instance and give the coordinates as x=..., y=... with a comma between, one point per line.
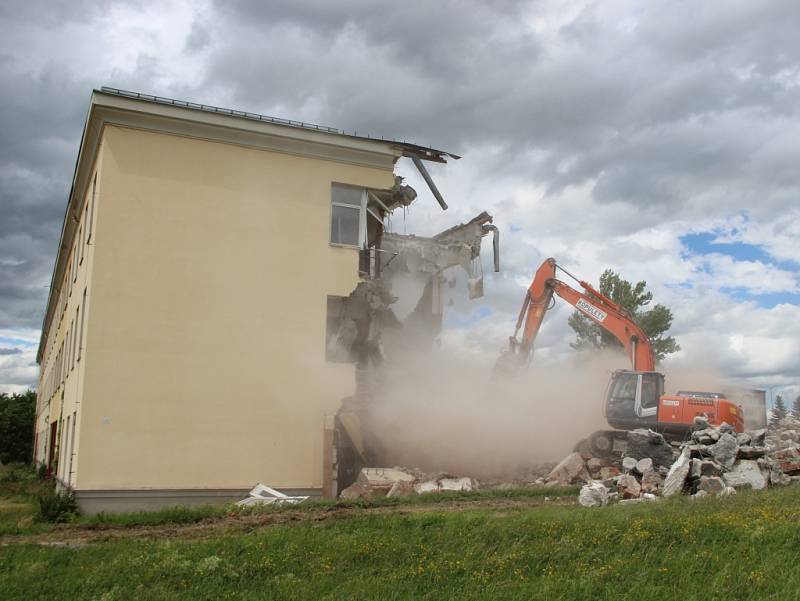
x=348, y=215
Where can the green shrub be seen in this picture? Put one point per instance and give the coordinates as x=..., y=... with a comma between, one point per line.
x=17, y=415
x=55, y=505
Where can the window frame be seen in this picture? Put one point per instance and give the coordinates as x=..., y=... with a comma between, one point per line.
x=362, y=217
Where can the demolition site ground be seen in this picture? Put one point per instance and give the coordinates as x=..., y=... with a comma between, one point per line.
x=528, y=543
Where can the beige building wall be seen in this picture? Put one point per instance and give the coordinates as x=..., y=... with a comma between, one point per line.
x=63, y=365
x=204, y=361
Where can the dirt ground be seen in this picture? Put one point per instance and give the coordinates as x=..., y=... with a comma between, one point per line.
x=77, y=535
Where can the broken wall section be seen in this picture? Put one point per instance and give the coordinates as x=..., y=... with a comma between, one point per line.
x=395, y=309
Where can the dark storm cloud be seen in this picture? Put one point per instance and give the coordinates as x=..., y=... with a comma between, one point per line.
x=685, y=93
x=676, y=108
x=40, y=123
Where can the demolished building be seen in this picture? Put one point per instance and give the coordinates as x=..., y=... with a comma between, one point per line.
x=193, y=344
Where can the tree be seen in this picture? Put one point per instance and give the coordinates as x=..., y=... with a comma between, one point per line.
x=654, y=321
x=796, y=408
x=778, y=411
x=17, y=416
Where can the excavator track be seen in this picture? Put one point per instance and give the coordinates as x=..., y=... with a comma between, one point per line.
x=604, y=443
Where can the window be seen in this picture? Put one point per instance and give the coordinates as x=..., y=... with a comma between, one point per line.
x=70, y=346
x=83, y=318
x=347, y=215
x=71, y=447
x=90, y=211
x=76, y=348
x=650, y=392
x=65, y=446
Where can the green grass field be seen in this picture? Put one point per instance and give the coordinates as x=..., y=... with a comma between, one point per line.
x=510, y=545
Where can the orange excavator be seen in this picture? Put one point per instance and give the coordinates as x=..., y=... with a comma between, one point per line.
x=634, y=398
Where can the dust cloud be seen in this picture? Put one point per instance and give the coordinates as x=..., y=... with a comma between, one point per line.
x=439, y=412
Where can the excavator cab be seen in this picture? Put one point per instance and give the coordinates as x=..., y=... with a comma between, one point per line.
x=632, y=398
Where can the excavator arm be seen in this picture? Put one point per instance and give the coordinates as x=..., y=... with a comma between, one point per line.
x=609, y=315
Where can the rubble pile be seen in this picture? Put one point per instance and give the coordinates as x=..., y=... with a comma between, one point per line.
x=373, y=482
x=712, y=461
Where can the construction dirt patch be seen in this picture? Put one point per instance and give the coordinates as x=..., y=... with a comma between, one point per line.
x=78, y=535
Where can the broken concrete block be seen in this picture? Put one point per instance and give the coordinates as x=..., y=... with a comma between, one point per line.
x=777, y=477
x=457, y=484
x=652, y=482
x=699, y=494
x=743, y=438
x=628, y=486
x=711, y=485
x=594, y=464
x=749, y=452
x=710, y=468
x=746, y=473
x=628, y=464
x=356, y=491
x=594, y=494
x=757, y=437
x=724, y=450
x=644, y=465
x=707, y=436
x=700, y=422
x=606, y=473
x=676, y=478
x=788, y=460
x=643, y=499
x=570, y=470
x=695, y=469
x=646, y=443
x=726, y=428
x=426, y=487
x=380, y=478
x=727, y=492
x=401, y=488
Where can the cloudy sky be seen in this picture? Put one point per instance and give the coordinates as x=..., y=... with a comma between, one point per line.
x=659, y=138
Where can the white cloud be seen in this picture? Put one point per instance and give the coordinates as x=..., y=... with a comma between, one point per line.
x=602, y=132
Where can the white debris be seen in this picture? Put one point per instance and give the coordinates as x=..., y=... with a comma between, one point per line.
x=428, y=486
x=594, y=494
x=746, y=473
x=457, y=484
x=676, y=477
x=264, y=495
x=382, y=477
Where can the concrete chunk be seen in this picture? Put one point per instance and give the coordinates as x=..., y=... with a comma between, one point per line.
x=746, y=473
x=382, y=477
x=788, y=460
x=644, y=465
x=457, y=484
x=725, y=450
x=711, y=485
x=570, y=470
x=628, y=486
x=652, y=482
x=646, y=443
x=676, y=478
x=594, y=494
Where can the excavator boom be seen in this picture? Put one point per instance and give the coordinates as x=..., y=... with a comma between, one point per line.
x=609, y=315
x=635, y=398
